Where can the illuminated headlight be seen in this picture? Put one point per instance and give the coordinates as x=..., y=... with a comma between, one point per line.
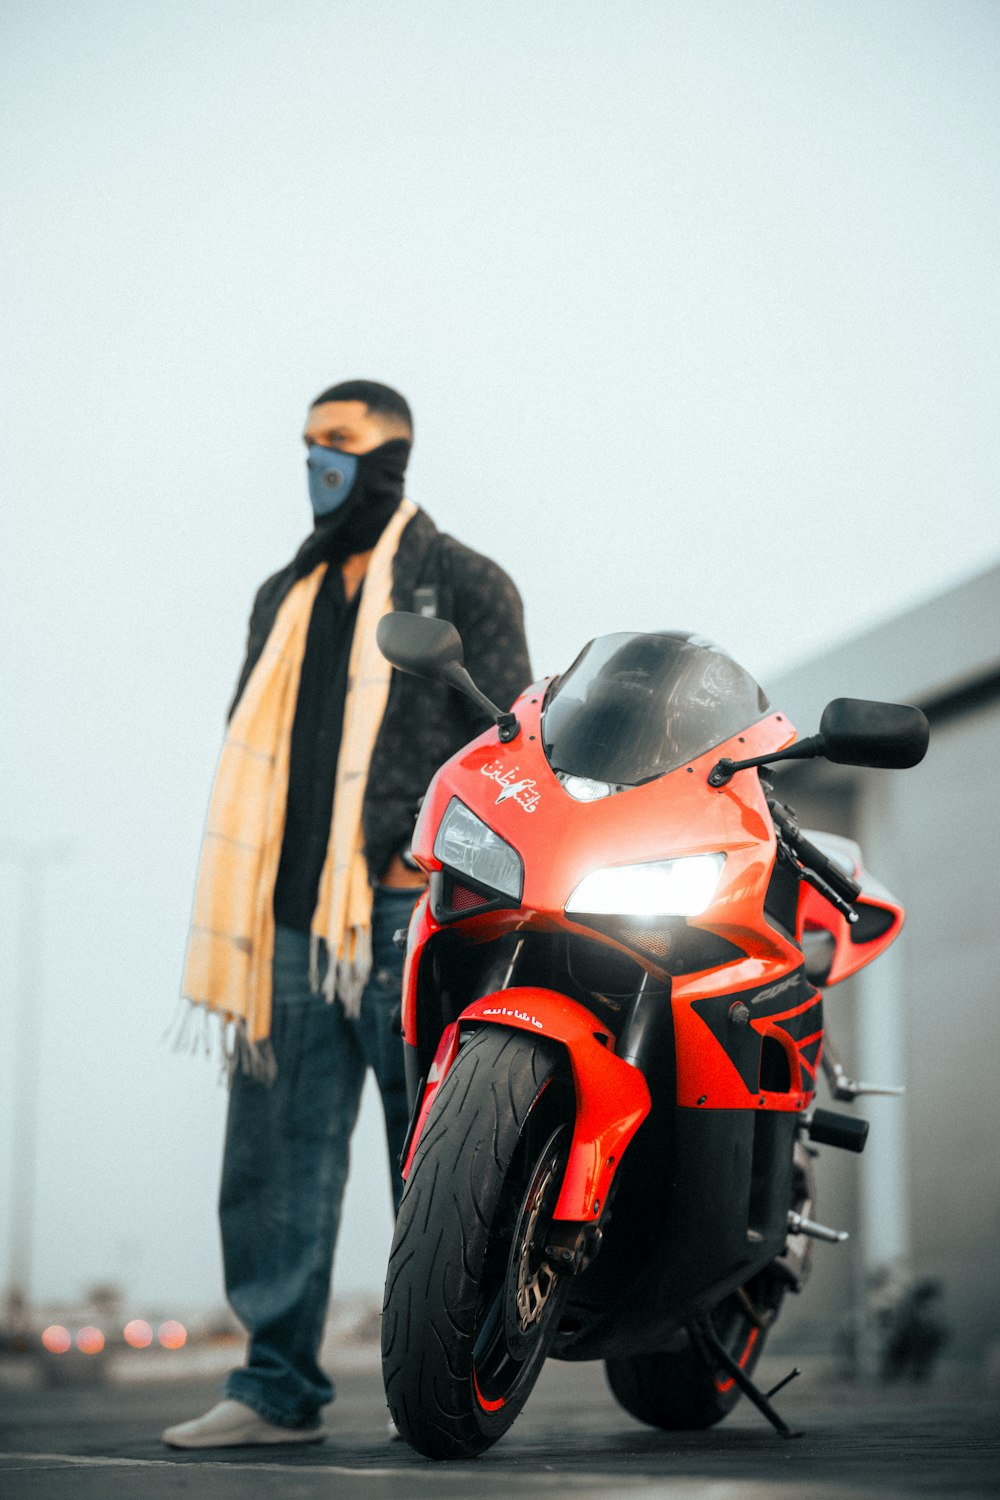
x=669, y=888
x=466, y=844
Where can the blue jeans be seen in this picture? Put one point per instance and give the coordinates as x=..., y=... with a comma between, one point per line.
x=286, y=1158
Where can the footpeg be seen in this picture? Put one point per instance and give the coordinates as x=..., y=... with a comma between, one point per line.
x=842, y=1086
x=831, y=1128
x=798, y=1225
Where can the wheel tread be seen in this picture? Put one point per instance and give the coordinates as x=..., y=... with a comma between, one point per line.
x=441, y=1239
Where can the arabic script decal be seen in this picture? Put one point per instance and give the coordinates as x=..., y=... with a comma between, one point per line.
x=523, y=791
x=515, y=1015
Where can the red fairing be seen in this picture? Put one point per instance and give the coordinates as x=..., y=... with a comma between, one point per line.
x=443, y=1059
x=514, y=790
x=422, y=928
x=880, y=919
x=612, y=1098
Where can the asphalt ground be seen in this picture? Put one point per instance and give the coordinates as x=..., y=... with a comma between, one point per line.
x=101, y=1443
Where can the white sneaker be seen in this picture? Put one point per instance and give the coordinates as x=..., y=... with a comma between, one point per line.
x=232, y=1424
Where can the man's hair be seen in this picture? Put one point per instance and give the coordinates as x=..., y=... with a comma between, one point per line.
x=381, y=400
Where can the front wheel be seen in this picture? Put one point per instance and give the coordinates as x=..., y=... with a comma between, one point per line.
x=471, y=1303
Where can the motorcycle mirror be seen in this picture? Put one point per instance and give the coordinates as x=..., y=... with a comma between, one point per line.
x=431, y=648
x=420, y=644
x=856, y=732
x=852, y=732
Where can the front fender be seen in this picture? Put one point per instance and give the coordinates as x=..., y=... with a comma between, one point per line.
x=612, y=1096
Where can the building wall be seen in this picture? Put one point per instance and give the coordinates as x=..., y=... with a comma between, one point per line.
x=940, y=828
x=926, y=1192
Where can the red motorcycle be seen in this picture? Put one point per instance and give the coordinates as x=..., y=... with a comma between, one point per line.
x=613, y=1025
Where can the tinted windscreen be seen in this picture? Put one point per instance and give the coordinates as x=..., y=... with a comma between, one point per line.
x=632, y=707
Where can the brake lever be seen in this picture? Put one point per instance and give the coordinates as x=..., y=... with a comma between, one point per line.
x=847, y=911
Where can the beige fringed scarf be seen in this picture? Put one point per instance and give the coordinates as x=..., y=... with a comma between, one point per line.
x=231, y=943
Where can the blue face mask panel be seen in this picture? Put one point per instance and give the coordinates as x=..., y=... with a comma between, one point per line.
x=331, y=478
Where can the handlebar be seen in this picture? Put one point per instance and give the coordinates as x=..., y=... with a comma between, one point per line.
x=813, y=865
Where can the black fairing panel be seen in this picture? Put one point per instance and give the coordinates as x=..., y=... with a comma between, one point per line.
x=414, y=1077
x=674, y=945
x=873, y=922
x=701, y=1205
x=781, y=1002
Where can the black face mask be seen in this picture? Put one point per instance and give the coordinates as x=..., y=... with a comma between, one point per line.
x=375, y=493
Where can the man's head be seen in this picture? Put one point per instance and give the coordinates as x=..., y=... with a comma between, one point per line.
x=357, y=438
x=357, y=416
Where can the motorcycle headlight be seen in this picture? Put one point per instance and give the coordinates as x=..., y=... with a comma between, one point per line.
x=666, y=888
x=466, y=844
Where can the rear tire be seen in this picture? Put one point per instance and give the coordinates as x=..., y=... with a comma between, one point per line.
x=677, y=1389
x=471, y=1305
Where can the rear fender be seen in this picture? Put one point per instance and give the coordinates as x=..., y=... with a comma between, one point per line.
x=612, y=1096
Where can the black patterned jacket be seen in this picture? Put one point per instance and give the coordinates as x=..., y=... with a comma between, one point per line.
x=424, y=722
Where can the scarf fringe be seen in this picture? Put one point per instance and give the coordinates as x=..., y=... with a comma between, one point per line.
x=174, y=1032
x=255, y=1060
x=317, y=950
x=190, y=1030
x=346, y=979
x=199, y=1029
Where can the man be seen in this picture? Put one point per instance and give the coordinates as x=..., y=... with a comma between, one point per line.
x=305, y=876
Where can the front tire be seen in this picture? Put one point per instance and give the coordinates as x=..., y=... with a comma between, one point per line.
x=471, y=1304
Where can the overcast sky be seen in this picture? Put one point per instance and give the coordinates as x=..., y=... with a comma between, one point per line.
x=696, y=305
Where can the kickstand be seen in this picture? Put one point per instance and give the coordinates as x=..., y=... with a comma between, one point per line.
x=707, y=1343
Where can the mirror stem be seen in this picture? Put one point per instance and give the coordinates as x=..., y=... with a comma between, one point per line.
x=725, y=769
x=507, y=723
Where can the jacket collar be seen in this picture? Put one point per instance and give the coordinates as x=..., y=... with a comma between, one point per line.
x=413, y=547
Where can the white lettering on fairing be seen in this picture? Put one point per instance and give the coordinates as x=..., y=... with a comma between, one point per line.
x=516, y=1015
x=523, y=792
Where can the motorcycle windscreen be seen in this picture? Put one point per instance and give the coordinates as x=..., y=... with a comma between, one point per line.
x=632, y=707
